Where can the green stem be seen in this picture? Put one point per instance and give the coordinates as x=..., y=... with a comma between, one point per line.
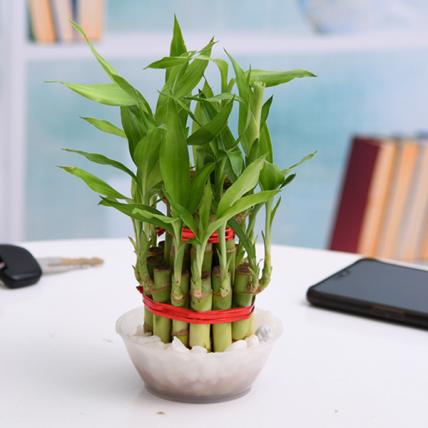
x=222, y=299
x=267, y=240
x=145, y=279
x=181, y=329
x=231, y=258
x=161, y=293
x=199, y=334
x=242, y=296
x=200, y=296
x=180, y=290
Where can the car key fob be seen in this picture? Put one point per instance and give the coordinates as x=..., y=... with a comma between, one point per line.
x=18, y=267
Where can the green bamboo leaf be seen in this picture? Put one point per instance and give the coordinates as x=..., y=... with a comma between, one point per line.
x=210, y=130
x=134, y=93
x=265, y=143
x=243, y=239
x=248, y=201
x=193, y=74
x=236, y=161
x=197, y=186
x=216, y=99
x=105, y=126
x=182, y=213
x=205, y=206
x=133, y=127
x=104, y=93
x=206, y=112
x=266, y=109
x=112, y=73
x=273, y=78
x=156, y=219
x=141, y=213
x=288, y=180
x=103, y=160
x=178, y=47
x=271, y=176
x=104, y=64
x=303, y=160
x=94, y=183
x=174, y=158
x=184, y=105
x=244, y=183
x=168, y=61
x=146, y=158
x=245, y=93
x=241, y=78
x=240, y=206
x=251, y=130
x=223, y=68
x=275, y=209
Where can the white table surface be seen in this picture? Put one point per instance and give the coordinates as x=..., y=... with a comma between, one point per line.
x=62, y=364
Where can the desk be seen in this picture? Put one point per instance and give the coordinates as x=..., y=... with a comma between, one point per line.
x=62, y=364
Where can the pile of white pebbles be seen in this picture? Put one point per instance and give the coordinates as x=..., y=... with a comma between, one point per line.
x=263, y=334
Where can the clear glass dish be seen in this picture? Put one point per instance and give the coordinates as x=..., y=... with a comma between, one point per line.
x=183, y=375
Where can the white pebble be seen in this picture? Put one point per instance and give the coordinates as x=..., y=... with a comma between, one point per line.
x=199, y=350
x=252, y=341
x=264, y=333
x=177, y=345
x=239, y=344
x=159, y=345
x=140, y=330
x=147, y=340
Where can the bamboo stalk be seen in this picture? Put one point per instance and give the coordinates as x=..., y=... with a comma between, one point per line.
x=144, y=277
x=180, y=329
x=152, y=261
x=222, y=299
x=199, y=334
x=161, y=293
x=231, y=258
x=208, y=257
x=242, y=296
x=267, y=241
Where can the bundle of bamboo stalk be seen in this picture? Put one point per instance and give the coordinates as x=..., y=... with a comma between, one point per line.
x=220, y=290
x=193, y=174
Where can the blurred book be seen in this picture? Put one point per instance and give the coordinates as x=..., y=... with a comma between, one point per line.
x=416, y=216
x=63, y=15
x=355, y=194
x=42, y=24
x=383, y=207
x=89, y=14
x=404, y=170
x=379, y=192
x=50, y=20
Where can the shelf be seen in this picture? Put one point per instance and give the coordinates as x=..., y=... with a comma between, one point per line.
x=135, y=45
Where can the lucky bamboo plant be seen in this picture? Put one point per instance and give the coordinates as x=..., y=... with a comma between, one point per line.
x=194, y=174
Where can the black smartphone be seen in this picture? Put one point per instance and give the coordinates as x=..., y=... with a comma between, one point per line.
x=376, y=289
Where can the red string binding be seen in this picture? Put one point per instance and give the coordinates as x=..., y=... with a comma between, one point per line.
x=213, y=239
x=187, y=315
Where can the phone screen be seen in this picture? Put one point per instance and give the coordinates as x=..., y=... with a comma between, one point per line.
x=380, y=283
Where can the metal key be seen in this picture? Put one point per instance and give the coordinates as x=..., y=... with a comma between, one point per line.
x=19, y=268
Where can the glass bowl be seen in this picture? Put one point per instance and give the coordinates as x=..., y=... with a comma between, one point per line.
x=179, y=374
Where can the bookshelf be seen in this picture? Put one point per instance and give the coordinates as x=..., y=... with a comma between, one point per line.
x=18, y=52
x=129, y=45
